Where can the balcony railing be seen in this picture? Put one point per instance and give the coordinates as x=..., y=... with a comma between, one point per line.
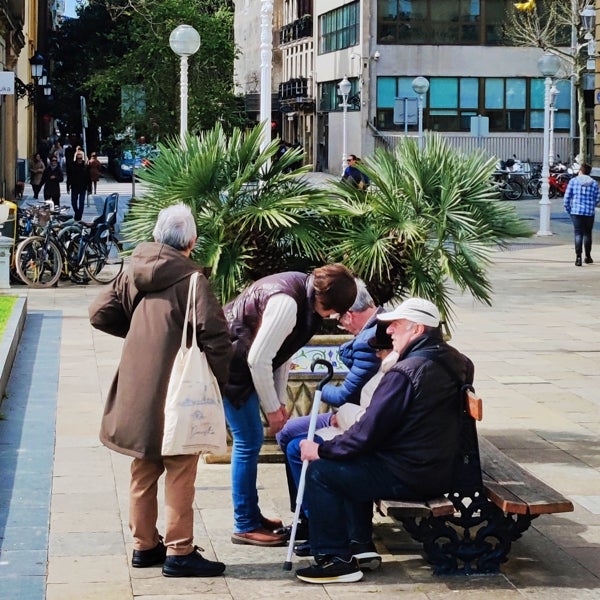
x=298, y=29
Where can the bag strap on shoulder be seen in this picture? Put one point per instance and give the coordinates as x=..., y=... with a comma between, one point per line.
x=190, y=306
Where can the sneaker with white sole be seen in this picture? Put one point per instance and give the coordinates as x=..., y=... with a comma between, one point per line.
x=366, y=555
x=331, y=569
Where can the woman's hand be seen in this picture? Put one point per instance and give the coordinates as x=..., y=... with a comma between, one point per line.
x=277, y=420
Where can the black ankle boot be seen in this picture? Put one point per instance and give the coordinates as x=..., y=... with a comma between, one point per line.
x=578, y=261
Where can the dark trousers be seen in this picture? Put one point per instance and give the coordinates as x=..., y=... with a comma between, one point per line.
x=340, y=497
x=36, y=189
x=78, y=202
x=582, y=226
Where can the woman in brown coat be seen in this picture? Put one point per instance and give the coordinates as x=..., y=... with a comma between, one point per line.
x=94, y=168
x=146, y=306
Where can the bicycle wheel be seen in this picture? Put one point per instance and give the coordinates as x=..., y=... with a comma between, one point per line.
x=513, y=190
x=70, y=242
x=534, y=187
x=38, y=262
x=103, y=260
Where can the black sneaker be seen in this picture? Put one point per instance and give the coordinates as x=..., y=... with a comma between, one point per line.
x=192, y=565
x=366, y=554
x=332, y=569
x=148, y=558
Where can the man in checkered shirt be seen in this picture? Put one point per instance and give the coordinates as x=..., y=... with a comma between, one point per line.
x=581, y=198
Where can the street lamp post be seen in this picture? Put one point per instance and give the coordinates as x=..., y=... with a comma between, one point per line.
x=266, y=68
x=548, y=65
x=420, y=85
x=184, y=41
x=344, y=87
x=553, y=93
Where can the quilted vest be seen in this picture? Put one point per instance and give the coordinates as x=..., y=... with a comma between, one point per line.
x=244, y=315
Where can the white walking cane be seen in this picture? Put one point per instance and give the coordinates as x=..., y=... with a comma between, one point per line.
x=287, y=566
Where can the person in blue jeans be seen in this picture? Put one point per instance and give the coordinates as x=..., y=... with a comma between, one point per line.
x=405, y=446
x=363, y=548
x=362, y=362
x=268, y=323
x=581, y=198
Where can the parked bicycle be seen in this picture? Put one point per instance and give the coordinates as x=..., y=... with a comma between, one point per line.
x=508, y=186
x=81, y=252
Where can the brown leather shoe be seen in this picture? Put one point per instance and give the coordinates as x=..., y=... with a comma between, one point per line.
x=270, y=524
x=259, y=537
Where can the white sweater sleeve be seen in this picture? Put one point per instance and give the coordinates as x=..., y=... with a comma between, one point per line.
x=277, y=323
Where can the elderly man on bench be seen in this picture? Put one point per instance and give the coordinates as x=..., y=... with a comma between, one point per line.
x=404, y=446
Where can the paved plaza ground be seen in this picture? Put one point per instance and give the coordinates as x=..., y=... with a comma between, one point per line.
x=63, y=496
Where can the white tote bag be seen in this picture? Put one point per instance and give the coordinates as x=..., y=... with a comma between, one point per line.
x=194, y=414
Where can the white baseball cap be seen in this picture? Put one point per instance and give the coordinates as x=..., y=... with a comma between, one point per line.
x=417, y=310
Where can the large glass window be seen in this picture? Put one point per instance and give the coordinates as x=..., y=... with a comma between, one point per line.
x=441, y=21
x=338, y=28
x=511, y=103
x=330, y=100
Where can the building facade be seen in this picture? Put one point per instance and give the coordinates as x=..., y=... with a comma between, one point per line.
x=481, y=90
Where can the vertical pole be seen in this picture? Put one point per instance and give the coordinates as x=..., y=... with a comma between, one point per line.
x=344, y=134
x=183, y=97
x=406, y=116
x=545, y=204
x=420, y=106
x=551, y=128
x=266, y=58
x=573, y=108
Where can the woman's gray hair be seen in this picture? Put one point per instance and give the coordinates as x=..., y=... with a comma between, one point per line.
x=175, y=227
x=363, y=300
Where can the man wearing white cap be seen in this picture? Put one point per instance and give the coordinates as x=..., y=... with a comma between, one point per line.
x=404, y=446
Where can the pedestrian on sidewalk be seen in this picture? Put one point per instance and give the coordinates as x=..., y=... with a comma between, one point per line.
x=36, y=174
x=146, y=306
x=581, y=198
x=95, y=168
x=270, y=321
x=52, y=179
x=78, y=180
x=404, y=446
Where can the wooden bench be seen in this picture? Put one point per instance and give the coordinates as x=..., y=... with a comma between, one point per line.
x=471, y=529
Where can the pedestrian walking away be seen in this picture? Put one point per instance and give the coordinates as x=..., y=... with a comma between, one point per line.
x=268, y=322
x=95, y=168
x=581, y=198
x=78, y=180
x=404, y=446
x=146, y=306
x=52, y=179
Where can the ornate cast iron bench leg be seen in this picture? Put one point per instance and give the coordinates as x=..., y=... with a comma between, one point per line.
x=476, y=540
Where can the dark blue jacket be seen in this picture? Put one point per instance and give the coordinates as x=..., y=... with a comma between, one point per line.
x=362, y=363
x=413, y=421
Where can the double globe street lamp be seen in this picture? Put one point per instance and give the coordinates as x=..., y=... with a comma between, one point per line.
x=548, y=66
x=184, y=41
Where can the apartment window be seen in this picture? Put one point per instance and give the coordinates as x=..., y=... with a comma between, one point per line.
x=339, y=28
x=465, y=22
x=512, y=104
x=330, y=100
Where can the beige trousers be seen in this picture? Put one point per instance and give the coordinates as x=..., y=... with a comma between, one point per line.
x=179, y=502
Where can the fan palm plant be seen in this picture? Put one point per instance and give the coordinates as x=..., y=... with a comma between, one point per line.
x=255, y=215
x=428, y=223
